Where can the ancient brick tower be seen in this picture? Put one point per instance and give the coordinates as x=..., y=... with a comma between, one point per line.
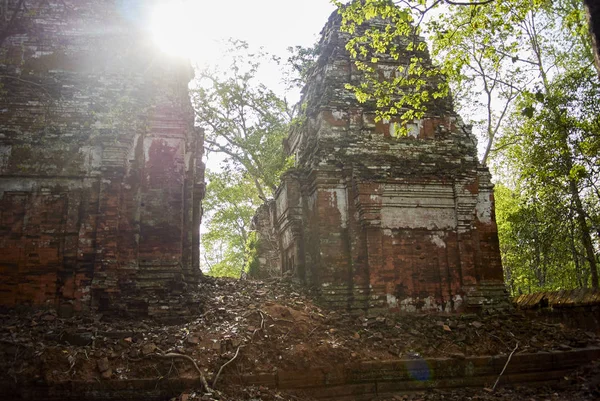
x=100, y=166
x=376, y=221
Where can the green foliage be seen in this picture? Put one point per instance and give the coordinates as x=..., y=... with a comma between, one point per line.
x=546, y=223
x=246, y=123
x=559, y=131
x=477, y=48
x=230, y=203
x=488, y=51
x=302, y=61
x=539, y=245
x=392, y=34
x=243, y=119
x=251, y=254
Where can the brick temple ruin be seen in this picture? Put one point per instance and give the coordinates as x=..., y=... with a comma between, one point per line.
x=376, y=221
x=101, y=184
x=101, y=181
x=101, y=177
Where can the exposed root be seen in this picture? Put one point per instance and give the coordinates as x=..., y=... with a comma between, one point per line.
x=262, y=324
x=312, y=331
x=225, y=364
x=499, y=339
x=172, y=355
x=505, y=365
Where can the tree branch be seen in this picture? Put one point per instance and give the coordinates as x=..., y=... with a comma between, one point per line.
x=251, y=169
x=476, y=3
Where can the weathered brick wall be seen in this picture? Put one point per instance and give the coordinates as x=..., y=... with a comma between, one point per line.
x=386, y=222
x=267, y=263
x=100, y=166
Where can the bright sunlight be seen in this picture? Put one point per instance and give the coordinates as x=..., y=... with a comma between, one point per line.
x=175, y=27
x=197, y=29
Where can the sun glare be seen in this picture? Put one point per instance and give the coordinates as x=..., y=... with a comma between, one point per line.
x=199, y=29
x=173, y=28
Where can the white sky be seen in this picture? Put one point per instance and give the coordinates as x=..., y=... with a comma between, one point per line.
x=197, y=28
x=274, y=24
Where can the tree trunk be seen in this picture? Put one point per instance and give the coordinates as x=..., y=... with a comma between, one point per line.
x=537, y=268
x=592, y=8
x=261, y=193
x=580, y=281
x=585, y=232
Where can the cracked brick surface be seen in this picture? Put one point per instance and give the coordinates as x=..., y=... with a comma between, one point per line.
x=378, y=221
x=101, y=176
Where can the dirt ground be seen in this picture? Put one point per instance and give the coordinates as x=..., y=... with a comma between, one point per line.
x=270, y=326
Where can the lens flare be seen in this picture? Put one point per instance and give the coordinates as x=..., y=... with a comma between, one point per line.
x=173, y=28
x=418, y=370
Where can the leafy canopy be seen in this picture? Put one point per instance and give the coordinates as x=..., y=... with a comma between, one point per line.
x=245, y=123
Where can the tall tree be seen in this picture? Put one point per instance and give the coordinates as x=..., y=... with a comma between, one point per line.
x=245, y=123
x=244, y=120
x=593, y=13
x=550, y=151
x=231, y=201
x=485, y=73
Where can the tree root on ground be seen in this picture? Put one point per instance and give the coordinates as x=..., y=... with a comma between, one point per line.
x=173, y=355
x=225, y=364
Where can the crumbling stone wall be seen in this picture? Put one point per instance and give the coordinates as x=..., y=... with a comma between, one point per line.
x=101, y=176
x=267, y=262
x=376, y=221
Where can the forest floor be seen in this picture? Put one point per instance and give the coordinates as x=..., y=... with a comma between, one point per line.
x=265, y=326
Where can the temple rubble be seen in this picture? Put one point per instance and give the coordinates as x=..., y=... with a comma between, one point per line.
x=375, y=221
x=101, y=177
